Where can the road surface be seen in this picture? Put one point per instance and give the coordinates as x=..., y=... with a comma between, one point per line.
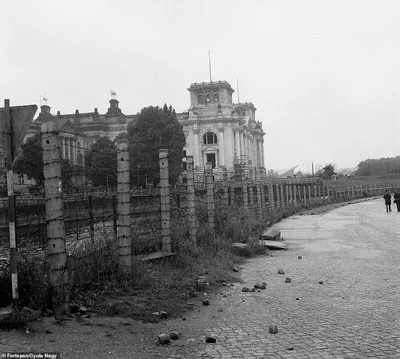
x=343, y=300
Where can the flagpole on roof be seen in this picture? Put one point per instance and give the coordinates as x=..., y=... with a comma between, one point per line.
x=209, y=63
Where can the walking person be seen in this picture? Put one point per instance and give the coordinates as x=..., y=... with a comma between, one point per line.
x=397, y=199
x=388, y=201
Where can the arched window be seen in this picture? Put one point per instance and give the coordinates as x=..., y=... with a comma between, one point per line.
x=210, y=138
x=216, y=97
x=208, y=98
x=200, y=99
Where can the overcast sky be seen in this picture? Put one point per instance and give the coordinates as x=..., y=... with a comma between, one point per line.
x=323, y=75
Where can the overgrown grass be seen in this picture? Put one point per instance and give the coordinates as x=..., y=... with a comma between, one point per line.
x=94, y=271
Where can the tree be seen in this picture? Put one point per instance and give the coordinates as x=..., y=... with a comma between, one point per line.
x=155, y=129
x=101, y=162
x=30, y=162
x=328, y=171
x=30, y=159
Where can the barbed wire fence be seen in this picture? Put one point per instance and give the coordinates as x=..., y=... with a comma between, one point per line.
x=100, y=232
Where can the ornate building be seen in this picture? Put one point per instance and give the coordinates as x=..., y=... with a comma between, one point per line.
x=216, y=130
x=221, y=132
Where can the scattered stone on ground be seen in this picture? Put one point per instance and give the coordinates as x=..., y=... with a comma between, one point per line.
x=163, y=339
x=288, y=280
x=299, y=257
x=280, y=271
x=206, y=302
x=260, y=285
x=273, y=329
x=163, y=315
x=245, y=289
x=235, y=269
x=252, y=290
x=175, y=335
x=210, y=339
x=321, y=282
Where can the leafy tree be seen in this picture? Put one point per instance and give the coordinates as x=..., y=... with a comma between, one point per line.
x=328, y=171
x=155, y=129
x=30, y=159
x=379, y=167
x=101, y=162
x=30, y=162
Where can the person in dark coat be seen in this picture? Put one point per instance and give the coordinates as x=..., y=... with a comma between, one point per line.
x=397, y=199
x=388, y=201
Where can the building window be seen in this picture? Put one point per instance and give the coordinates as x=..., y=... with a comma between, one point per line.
x=200, y=99
x=208, y=98
x=216, y=97
x=210, y=138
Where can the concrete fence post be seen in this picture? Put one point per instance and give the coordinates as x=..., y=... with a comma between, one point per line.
x=191, y=202
x=271, y=205
x=210, y=196
x=245, y=194
x=165, y=201
x=56, y=243
x=225, y=187
x=251, y=196
x=287, y=195
x=91, y=218
x=124, y=202
x=259, y=200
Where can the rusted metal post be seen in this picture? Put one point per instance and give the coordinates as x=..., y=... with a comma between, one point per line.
x=165, y=201
x=56, y=248
x=124, y=204
x=210, y=196
x=191, y=202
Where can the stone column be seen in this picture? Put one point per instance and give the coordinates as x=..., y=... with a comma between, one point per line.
x=248, y=153
x=259, y=162
x=237, y=142
x=221, y=147
x=295, y=195
x=262, y=154
x=70, y=150
x=241, y=141
x=196, y=161
x=75, y=150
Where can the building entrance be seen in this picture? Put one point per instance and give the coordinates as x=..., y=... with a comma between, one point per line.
x=211, y=158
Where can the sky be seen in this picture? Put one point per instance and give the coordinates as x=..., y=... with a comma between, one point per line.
x=323, y=75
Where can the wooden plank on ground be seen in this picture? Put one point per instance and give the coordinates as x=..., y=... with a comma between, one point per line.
x=273, y=244
x=154, y=256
